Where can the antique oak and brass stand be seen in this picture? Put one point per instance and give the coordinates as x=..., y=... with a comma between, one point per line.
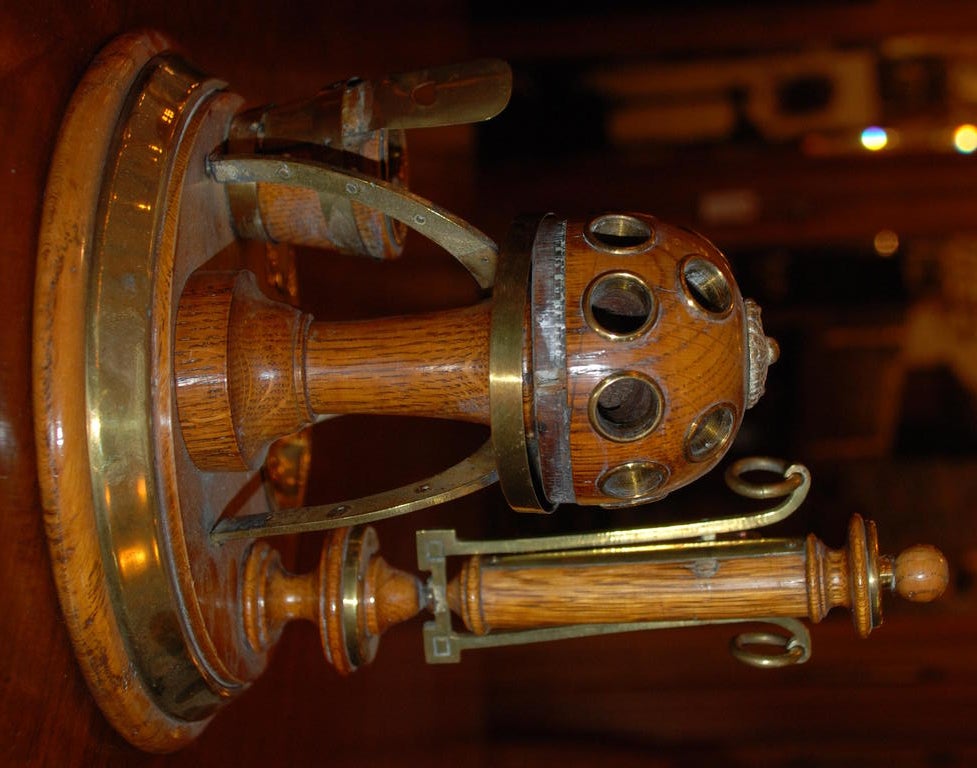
x=175, y=381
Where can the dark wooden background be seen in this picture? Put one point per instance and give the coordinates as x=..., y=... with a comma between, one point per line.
x=907, y=696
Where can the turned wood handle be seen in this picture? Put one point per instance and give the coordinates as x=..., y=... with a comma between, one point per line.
x=785, y=581
x=249, y=370
x=352, y=596
x=299, y=216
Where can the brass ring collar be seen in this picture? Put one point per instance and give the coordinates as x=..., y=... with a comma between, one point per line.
x=519, y=479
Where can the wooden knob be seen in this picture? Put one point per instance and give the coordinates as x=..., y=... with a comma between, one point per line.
x=353, y=596
x=920, y=573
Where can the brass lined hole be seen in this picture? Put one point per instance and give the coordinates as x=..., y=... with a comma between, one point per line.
x=619, y=306
x=618, y=233
x=710, y=433
x=633, y=480
x=707, y=286
x=626, y=406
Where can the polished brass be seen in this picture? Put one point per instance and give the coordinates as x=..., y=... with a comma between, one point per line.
x=736, y=480
x=620, y=306
x=707, y=286
x=123, y=458
x=507, y=375
x=361, y=545
x=626, y=406
x=710, y=432
x=619, y=233
x=469, y=475
x=781, y=650
x=633, y=481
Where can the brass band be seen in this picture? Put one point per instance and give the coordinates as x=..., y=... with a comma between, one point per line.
x=519, y=479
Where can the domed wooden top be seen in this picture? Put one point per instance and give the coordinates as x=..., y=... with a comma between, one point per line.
x=921, y=573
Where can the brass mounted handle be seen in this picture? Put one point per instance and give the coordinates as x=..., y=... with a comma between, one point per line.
x=528, y=591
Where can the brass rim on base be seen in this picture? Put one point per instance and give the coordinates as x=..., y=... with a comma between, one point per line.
x=109, y=451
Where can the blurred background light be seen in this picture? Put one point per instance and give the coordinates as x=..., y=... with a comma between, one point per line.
x=874, y=138
x=965, y=138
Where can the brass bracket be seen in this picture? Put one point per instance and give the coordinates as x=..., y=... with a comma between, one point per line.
x=442, y=644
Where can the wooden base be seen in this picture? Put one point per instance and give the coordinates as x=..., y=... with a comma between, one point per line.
x=129, y=213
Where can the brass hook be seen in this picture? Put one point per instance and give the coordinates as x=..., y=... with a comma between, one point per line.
x=780, y=650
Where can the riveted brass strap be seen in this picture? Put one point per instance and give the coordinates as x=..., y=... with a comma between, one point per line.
x=518, y=478
x=467, y=476
x=475, y=250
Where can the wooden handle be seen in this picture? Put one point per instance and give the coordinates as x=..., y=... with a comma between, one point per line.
x=249, y=370
x=433, y=364
x=782, y=581
x=349, y=577
x=300, y=216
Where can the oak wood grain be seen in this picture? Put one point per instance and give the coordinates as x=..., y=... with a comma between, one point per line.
x=249, y=371
x=772, y=579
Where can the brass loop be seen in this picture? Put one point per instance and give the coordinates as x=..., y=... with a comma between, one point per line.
x=781, y=650
x=793, y=477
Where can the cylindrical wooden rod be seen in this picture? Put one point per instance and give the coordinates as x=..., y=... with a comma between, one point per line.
x=433, y=364
x=778, y=580
x=490, y=595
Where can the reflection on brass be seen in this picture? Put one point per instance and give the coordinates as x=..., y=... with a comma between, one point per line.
x=475, y=472
x=710, y=432
x=128, y=499
x=619, y=233
x=620, y=306
x=706, y=286
x=735, y=479
x=361, y=646
x=626, y=406
x=633, y=481
x=518, y=478
x=782, y=650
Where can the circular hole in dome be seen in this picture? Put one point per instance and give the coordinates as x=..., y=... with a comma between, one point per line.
x=707, y=286
x=618, y=233
x=619, y=306
x=710, y=433
x=633, y=480
x=625, y=406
